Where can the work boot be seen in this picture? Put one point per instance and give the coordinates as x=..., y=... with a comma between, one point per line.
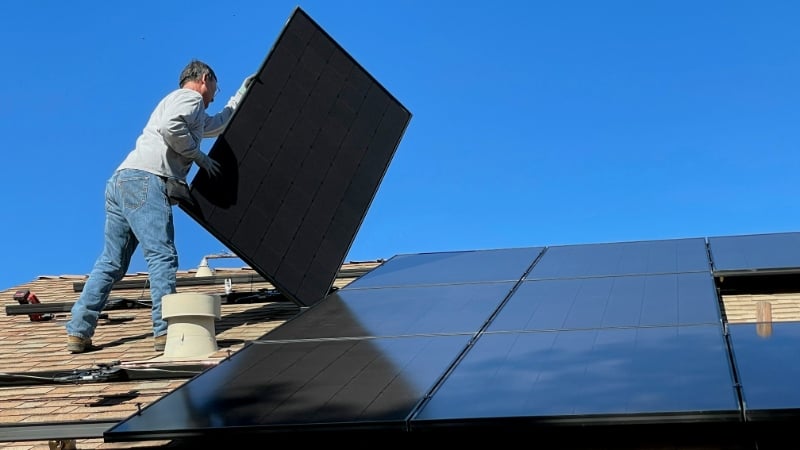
x=160, y=342
x=77, y=344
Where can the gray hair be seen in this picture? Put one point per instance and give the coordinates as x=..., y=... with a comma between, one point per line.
x=195, y=71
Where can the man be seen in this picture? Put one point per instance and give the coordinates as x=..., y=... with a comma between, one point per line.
x=138, y=210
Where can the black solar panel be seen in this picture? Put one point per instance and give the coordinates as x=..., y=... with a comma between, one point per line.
x=463, y=308
x=301, y=162
x=623, y=258
x=451, y=267
x=633, y=301
x=766, y=358
x=356, y=384
x=625, y=374
x=755, y=253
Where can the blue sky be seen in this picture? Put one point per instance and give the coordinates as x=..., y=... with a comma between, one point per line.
x=534, y=123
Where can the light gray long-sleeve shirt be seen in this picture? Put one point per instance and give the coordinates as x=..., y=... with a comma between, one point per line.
x=170, y=142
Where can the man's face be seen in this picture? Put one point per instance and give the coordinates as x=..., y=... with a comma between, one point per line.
x=210, y=90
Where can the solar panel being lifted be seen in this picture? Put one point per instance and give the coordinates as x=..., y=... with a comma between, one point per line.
x=301, y=161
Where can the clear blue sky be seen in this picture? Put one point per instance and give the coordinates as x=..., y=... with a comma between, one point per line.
x=534, y=123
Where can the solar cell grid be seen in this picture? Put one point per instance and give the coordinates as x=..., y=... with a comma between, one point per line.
x=623, y=258
x=311, y=385
x=604, y=302
x=755, y=253
x=476, y=266
x=768, y=371
x=301, y=162
x=608, y=373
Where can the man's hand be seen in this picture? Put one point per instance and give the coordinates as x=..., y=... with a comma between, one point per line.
x=237, y=97
x=245, y=85
x=208, y=164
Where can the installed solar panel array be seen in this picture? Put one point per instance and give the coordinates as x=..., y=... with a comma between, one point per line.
x=601, y=333
x=622, y=333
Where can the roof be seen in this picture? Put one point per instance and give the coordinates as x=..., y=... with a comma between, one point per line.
x=42, y=393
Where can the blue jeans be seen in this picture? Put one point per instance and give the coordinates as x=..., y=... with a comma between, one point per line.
x=137, y=211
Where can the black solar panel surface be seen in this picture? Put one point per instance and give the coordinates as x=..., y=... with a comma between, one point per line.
x=631, y=301
x=768, y=367
x=301, y=162
x=623, y=258
x=609, y=373
x=755, y=253
x=475, y=266
x=436, y=309
x=312, y=385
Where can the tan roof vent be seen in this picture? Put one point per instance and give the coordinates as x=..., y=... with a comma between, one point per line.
x=203, y=270
x=190, y=324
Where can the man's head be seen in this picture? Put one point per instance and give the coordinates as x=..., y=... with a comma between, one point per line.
x=199, y=76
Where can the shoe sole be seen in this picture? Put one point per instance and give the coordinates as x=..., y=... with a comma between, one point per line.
x=79, y=348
